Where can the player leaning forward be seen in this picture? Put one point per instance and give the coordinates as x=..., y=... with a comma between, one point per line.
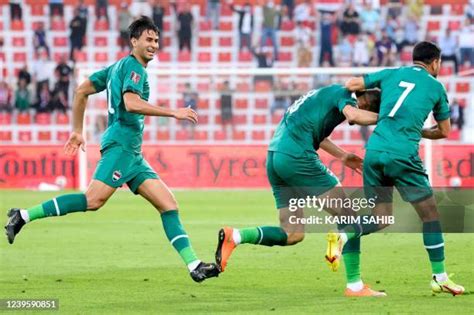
x=122, y=161
x=409, y=94
x=295, y=171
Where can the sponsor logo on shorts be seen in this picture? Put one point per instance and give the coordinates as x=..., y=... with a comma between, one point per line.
x=116, y=176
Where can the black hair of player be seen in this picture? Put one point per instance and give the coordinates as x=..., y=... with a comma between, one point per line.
x=144, y=23
x=373, y=98
x=426, y=52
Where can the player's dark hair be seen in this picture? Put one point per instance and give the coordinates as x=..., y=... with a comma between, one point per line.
x=373, y=97
x=426, y=52
x=144, y=23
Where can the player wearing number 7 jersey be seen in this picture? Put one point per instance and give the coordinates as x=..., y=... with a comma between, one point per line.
x=409, y=94
x=121, y=160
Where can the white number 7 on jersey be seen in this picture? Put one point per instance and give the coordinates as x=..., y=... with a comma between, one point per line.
x=409, y=87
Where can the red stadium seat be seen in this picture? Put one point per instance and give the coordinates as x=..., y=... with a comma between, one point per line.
x=17, y=25
x=23, y=119
x=225, y=41
x=60, y=41
x=337, y=135
x=122, y=54
x=462, y=87
x=238, y=135
x=184, y=56
x=259, y=119
x=18, y=41
x=446, y=70
x=19, y=57
x=146, y=135
x=5, y=136
x=245, y=56
x=225, y=26
x=37, y=10
x=205, y=26
x=243, y=87
x=163, y=135
x=454, y=135
x=457, y=9
x=355, y=135
x=433, y=26
x=164, y=56
x=101, y=25
x=44, y=135
x=80, y=56
x=241, y=103
x=261, y=103
x=454, y=25
x=58, y=25
x=200, y=135
x=182, y=135
x=225, y=10
x=24, y=136
x=101, y=57
x=204, y=57
x=205, y=41
x=57, y=56
x=258, y=135
x=276, y=118
x=240, y=119
x=1, y=26
x=285, y=56
x=203, y=87
x=262, y=86
x=287, y=25
x=220, y=135
x=225, y=57
x=203, y=103
x=166, y=42
x=62, y=136
x=43, y=119
x=5, y=119
x=166, y=26
x=100, y=41
x=287, y=41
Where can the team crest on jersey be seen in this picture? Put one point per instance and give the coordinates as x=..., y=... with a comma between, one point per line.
x=135, y=77
x=116, y=176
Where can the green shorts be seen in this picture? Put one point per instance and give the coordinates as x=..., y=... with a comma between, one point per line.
x=384, y=170
x=293, y=177
x=117, y=167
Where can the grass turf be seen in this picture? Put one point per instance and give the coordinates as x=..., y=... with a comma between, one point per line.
x=119, y=261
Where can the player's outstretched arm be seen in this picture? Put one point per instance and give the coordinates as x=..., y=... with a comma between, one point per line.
x=355, y=84
x=134, y=104
x=76, y=140
x=439, y=131
x=359, y=116
x=348, y=159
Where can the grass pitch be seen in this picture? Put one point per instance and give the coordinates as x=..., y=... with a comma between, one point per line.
x=118, y=261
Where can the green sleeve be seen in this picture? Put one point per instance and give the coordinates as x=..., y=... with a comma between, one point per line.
x=374, y=79
x=441, y=110
x=99, y=79
x=347, y=99
x=134, y=78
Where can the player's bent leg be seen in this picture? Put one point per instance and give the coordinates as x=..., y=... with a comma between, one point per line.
x=94, y=198
x=159, y=195
x=434, y=245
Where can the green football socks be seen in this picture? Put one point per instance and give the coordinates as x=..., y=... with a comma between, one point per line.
x=263, y=235
x=178, y=238
x=434, y=244
x=351, y=257
x=58, y=206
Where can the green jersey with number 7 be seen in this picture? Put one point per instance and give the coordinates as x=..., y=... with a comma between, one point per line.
x=409, y=94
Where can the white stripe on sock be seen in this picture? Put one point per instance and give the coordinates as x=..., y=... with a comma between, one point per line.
x=177, y=238
x=434, y=246
x=58, y=213
x=261, y=235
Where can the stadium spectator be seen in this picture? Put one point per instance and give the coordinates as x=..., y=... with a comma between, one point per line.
x=370, y=19
x=303, y=12
x=289, y=6
x=246, y=22
x=457, y=114
x=270, y=24
x=43, y=104
x=415, y=8
x=56, y=10
x=39, y=39
x=227, y=117
x=158, y=14
x=411, y=36
x=22, y=96
x=63, y=73
x=394, y=8
x=5, y=97
x=346, y=52
x=102, y=10
x=124, y=20
x=213, y=12
x=449, y=46
x=265, y=59
x=327, y=24
x=78, y=30
x=23, y=74
x=385, y=51
x=392, y=27
x=280, y=97
x=59, y=99
x=83, y=13
x=469, y=11
x=303, y=42
x=42, y=70
x=361, y=56
x=295, y=92
x=466, y=43
x=185, y=21
x=190, y=99
x=350, y=24
x=139, y=7
x=16, y=11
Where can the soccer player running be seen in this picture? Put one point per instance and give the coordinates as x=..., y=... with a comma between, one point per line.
x=409, y=94
x=294, y=170
x=127, y=87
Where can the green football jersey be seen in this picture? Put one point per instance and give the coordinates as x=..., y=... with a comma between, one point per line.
x=124, y=128
x=310, y=119
x=409, y=94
